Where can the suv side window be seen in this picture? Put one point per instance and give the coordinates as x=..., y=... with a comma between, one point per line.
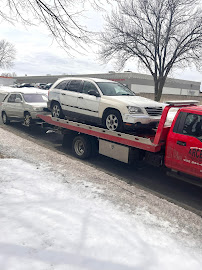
x=12, y=97
x=74, y=85
x=62, y=85
x=19, y=96
x=193, y=125
x=88, y=86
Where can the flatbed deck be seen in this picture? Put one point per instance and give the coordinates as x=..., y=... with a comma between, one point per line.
x=144, y=141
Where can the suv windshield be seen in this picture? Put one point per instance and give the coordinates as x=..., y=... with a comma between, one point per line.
x=31, y=98
x=114, y=89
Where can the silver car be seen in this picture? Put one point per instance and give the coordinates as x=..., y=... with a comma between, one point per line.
x=23, y=106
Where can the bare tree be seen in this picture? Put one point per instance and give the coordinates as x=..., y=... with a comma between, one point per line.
x=61, y=17
x=7, y=54
x=160, y=34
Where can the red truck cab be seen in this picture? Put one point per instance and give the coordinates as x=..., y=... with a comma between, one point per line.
x=183, y=151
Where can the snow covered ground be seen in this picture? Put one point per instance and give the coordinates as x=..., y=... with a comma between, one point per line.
x=59, y=213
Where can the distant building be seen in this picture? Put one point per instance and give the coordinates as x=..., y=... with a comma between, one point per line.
x=139, y=83
x=7, y=80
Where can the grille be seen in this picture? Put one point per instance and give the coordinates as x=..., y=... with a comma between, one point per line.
x=154, y=111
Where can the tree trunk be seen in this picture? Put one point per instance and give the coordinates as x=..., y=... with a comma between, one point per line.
x=156, y=88
x=159, y=84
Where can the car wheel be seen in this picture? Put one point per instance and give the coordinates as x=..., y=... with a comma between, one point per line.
x=81, y=147
x=56, y=110
x=113, y=121
x=27, y=119
x=5, y=118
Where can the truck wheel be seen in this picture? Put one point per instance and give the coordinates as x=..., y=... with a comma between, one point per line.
x=112, y=120
x=27, y=119
x=82, y=147
x=5, y=118
x=56, y=110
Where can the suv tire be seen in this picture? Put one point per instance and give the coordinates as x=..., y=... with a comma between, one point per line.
x=112, y=120
x=56, y=110
x=5, y=118
x=27, y=119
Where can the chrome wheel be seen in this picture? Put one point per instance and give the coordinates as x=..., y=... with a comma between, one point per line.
x=112, y=122
x=56, y=111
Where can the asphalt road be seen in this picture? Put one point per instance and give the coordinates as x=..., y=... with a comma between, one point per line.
x=145, y=177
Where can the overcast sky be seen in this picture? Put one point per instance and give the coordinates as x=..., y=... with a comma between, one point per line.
x=38, y=54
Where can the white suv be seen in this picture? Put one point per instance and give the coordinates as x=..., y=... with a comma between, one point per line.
x=104, y=102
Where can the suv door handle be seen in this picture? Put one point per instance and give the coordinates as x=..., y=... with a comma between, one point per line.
x=63, y=94
x=80, y=97
x=181, y=143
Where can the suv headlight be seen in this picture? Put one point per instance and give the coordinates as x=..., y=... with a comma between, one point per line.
x=133, y=109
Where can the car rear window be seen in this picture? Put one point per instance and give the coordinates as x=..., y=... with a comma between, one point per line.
x=31, y=98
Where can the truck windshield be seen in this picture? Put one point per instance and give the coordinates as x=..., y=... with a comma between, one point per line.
x=114, y=89
x=35, y=98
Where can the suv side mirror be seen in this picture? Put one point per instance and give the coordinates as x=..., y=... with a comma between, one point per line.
x=18, y=100
x=93, y=93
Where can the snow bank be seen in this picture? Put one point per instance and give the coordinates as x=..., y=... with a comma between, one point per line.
x=59, y=213
x=48, y=225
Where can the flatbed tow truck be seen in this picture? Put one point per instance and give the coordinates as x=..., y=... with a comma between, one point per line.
x=178, y=147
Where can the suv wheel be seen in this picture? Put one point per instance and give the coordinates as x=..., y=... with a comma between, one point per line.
x=113, y=121
x=5, y=118
x=56, y=110
x=27, y=119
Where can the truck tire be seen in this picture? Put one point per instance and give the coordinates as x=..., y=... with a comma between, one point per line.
x=56, y=110
x=5, y=118
x=112, y=120
x=82, y=147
